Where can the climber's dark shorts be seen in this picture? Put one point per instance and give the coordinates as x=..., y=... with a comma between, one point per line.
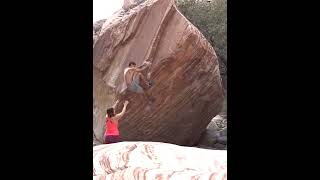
x=111, y=139
x=135, y=87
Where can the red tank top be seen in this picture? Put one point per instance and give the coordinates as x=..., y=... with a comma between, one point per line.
x=111, y=127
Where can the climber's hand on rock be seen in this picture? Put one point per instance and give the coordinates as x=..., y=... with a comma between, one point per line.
x=147, y=63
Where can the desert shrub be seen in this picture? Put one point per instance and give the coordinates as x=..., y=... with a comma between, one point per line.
x=210, y=17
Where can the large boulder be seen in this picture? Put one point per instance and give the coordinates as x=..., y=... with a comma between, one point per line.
x=187, y=90
x=154, y=160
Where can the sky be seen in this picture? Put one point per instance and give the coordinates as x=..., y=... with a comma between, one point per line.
x=104, y=8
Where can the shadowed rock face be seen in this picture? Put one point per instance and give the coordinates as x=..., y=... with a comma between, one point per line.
x=187, y=90
x=154, y=160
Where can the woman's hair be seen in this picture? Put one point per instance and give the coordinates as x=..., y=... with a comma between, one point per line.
x=110, y=112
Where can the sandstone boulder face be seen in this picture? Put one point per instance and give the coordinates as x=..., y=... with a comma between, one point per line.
x=154, y=160
x=187, y=90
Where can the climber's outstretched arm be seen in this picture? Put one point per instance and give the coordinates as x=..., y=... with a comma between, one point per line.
x=118, y=116
x=115, y=104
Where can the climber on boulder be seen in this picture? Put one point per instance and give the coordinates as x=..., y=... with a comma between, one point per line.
x=112, y=134
x=133, y=77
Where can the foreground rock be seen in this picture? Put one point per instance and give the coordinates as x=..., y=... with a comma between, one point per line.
x=154, y=160
x=187, y=90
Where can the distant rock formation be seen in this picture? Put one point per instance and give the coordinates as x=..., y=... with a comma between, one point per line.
x=96, y=29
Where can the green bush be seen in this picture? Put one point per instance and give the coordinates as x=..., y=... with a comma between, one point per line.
x=210, y=17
